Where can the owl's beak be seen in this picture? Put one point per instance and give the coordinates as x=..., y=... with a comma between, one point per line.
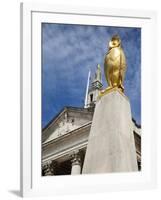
x=113, y=44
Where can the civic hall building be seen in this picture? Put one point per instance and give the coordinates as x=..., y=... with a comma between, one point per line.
x=65, y=138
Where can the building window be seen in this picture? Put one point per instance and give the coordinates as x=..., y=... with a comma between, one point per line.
x=139, y=165
x=72, y=121
x=91, y=97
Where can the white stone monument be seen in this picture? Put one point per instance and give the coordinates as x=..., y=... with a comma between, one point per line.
x=111, y=146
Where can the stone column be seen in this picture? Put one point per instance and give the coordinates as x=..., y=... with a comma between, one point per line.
x=111, y=146
x=76, y=163
x=48, y=168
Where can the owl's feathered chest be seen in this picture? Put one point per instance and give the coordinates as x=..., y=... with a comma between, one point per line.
x=115, y=58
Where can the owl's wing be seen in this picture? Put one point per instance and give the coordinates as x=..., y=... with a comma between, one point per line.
x=123, y=64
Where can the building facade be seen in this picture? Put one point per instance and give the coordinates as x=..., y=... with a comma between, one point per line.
x=65, y=138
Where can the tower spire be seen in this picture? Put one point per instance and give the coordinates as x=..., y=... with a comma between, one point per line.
x=98, y=75
x=93, y=88
x=87, y=89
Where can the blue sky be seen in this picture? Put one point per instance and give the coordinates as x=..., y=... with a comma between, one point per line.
x=70, y=51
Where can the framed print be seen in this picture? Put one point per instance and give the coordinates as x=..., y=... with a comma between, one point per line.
x=87, y=95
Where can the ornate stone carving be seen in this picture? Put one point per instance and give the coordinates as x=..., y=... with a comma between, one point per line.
x=48, y=168
x=76, y=160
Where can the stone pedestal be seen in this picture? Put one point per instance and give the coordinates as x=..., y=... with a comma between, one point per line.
x=111, y=146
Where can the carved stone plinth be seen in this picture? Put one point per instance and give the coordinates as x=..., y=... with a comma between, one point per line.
x=111, y=146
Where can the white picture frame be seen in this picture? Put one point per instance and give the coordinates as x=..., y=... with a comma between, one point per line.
x=32, y=183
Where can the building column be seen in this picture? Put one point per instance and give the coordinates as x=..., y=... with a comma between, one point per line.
x=76, y=163
x=48, y=168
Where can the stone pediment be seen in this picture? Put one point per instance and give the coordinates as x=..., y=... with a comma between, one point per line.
x=69, y=119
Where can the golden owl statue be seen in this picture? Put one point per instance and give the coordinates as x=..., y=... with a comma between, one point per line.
x=115, y=64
